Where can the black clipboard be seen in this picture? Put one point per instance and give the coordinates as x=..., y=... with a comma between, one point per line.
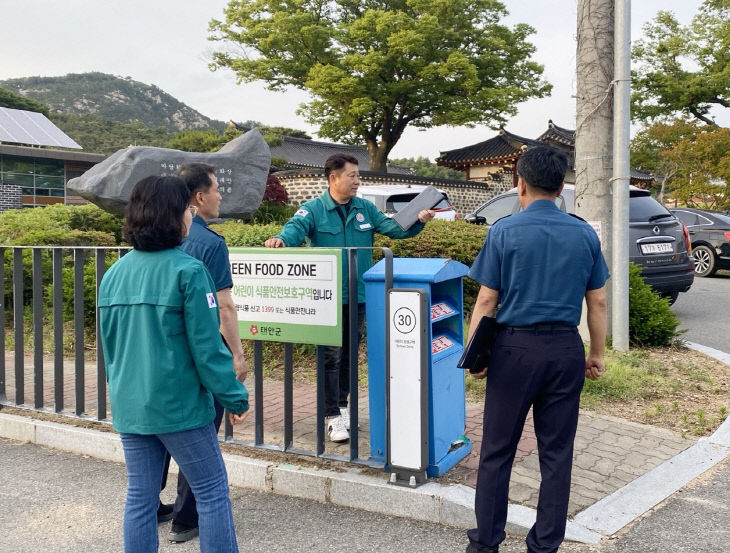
x=477, y=351
x=428, y=198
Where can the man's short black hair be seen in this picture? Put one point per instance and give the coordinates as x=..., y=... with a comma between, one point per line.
x=154, y=214
x=336, y=162
x=196, y=176
x=543, y=167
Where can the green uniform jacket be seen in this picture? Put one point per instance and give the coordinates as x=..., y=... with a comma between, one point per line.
x=164, y=355
x=319, y=221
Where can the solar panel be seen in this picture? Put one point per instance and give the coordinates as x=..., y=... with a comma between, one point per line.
x=28, y=127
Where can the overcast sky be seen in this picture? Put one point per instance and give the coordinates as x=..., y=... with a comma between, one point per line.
x=164, y=42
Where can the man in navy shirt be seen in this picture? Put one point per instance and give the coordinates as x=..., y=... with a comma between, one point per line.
x=210, y=248
x=538, y=265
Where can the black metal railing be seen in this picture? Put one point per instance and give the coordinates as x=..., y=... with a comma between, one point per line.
x=63, y=304
x=44, y=271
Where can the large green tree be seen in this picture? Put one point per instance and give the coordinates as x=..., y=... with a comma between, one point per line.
x=651, y=146
x=374, y=67
x=683, y=69
x=424, y=167
x=705, y=162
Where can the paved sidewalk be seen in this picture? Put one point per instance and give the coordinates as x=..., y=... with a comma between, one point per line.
x=609, y=452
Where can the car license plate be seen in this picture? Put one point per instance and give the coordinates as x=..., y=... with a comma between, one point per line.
x=659, y=247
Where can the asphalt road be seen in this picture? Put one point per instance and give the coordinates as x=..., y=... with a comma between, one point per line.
x=693, y=520
x=57, y=502
x=703, y=311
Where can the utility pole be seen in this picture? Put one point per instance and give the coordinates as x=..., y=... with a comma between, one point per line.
x=594, y=123
x=621, y=177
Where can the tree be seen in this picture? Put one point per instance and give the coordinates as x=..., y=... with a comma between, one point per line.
x=374, y=67
x=651, y=146
x=704, y=160
x=425, y=168
x=683, y=70
x=105, y=136
x=12, y=100
x=210, y=140
x=196, y=140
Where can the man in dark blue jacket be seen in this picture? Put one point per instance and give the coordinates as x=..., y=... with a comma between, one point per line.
x=538, y=265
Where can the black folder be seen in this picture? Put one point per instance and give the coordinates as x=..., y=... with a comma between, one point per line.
x=427, y=199
x=477, y=351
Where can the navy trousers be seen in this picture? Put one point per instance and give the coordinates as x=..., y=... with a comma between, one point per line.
x=337, y=364
x=545, y=370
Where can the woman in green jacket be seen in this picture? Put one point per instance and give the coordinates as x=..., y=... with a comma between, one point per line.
x=164, y=358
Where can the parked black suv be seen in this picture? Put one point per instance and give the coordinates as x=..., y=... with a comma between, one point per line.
x=658, y=241
x=709, y=232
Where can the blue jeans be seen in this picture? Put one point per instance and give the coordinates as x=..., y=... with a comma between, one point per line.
x=198, y=455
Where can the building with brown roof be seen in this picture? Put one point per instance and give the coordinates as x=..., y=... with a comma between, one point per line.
x=495, y=160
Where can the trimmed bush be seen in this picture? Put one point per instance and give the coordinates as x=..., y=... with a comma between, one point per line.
x=245, y=235
x=651, y=322
x=58, y=225
x=270, y=212
x=458, y=240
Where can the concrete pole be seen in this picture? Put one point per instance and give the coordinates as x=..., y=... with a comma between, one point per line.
x=594, y=123
x=621, y=177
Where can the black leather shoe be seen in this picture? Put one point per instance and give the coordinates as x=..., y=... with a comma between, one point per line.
x=180, y=533
x=471, y=548
x=164, y=512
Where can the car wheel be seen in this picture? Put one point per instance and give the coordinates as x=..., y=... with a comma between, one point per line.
x=671, y=297
x=704, y=261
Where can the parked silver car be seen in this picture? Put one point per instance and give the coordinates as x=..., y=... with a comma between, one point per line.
x=391, y=198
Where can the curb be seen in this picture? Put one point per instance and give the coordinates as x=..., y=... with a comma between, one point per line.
x=615, y=511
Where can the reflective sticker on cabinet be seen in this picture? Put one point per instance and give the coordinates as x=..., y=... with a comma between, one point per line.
x=440, y=310
x=440, y=343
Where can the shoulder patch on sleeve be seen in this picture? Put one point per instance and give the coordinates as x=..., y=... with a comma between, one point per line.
x=302, y=212
x=211, y=300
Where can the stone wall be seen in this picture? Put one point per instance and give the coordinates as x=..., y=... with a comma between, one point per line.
x=465, y=196
x=10, y=197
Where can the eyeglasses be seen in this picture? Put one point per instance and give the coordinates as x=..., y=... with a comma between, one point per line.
x=193, y=210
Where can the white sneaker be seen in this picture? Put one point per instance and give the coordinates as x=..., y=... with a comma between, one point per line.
x=345, y=414
x=337, y=429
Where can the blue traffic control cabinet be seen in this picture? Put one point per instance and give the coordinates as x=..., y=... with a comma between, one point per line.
x=441, y=280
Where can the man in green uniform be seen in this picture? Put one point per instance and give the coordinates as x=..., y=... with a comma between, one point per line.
x=338, y=218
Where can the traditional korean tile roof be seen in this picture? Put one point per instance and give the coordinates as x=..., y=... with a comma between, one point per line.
x=558, y=134
x=509, y=147
x=302, y=153
x=637, y=175
x=505, y=146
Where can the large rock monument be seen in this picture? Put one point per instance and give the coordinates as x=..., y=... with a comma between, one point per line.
x=242, y=166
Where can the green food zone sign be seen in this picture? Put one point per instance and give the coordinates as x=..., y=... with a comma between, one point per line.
x=288, y=294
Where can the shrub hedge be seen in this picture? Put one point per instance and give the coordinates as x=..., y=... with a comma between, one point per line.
x=651, y=322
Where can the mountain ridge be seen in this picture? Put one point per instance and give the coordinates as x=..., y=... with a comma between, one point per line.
x=120, y=99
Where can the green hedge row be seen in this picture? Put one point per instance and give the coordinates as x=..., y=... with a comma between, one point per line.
x=651, y=322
